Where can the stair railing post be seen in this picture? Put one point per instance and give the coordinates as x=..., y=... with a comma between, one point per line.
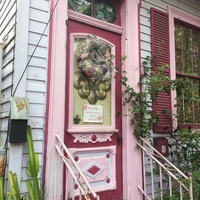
x=191, y=187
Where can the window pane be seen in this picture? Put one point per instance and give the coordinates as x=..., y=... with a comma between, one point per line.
x=92, y=82
x=196, y=60
x=187, y=50
x=179, y=64
x=178, y=36
x=188, y=108
x=187, y=39
x=188, y=63
x=195, y=42
x=105, y=10
x=81, y=6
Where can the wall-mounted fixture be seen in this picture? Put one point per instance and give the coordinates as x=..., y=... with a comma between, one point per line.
x=18, y=120
x=161, y=145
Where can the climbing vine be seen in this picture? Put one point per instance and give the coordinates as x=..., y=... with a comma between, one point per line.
x=184, y=141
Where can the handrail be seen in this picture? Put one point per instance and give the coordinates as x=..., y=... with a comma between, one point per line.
x=76, y=178
x=166, y=160
x=167, y=169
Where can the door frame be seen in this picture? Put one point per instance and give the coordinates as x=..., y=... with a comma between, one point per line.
x=55, y=113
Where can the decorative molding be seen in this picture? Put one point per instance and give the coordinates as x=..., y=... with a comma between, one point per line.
x=93, y=138
x=95, y=22
x=97, y=166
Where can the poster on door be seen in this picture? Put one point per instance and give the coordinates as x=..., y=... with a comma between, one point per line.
x=92, y=113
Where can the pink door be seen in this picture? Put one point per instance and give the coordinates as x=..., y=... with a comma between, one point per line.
x=93, y=107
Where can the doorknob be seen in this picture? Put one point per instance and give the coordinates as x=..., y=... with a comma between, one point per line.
x=119, y=139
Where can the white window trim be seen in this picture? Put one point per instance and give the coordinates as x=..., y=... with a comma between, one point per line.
x=175, y=13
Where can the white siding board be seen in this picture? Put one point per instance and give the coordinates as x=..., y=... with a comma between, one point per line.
x=39, y=52
x=6, y=106
x=145, y=46
x=9, y=47
x=36, y=73
x=36, y=110
x=8, y=21
x=145, y=21
x=9, y=36
x=8, y=69
x=38, y=147
x=4, y=114
x=9, y=57
x=40, y=5
x=39, y=15
x=3, y=138
x=7, y=82
x=4, y=125
x=37, y=86
x=147, y=4
x=37, y=134
x=4, y=5
x=145, y=37
x=26, y=159
x=145, y=12
x=5, y=96
x=8, y=27
x=145, y=54
x=34, y=38
x=192, y=8
x=8, y=12
x=38, y=62
x=145, y=29
x=36, y=122
x=37, y=27
x=36, y=97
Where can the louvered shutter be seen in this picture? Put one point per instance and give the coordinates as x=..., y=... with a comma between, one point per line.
x=160, y=56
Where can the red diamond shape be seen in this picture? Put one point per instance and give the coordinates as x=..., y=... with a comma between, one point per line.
x=93, y=170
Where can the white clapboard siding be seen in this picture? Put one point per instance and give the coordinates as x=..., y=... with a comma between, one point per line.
x=8, y=10
x=8, y=16
x=190, y=6
x=26, y=159
x=36, y=122
x=5, y=95
x=36, y=74
x=36, y=80
x=36, y=97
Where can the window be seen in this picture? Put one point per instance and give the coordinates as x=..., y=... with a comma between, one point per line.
x=175, y=40
x=187, y=58
x=101, y=9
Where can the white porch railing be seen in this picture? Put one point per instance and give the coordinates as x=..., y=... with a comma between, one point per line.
x=164, y=168
x=78, y=177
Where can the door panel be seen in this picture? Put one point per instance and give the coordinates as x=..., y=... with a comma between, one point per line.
x=96, y=147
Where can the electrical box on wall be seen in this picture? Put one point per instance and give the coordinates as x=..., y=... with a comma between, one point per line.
x=161, y=145
x=18, y=120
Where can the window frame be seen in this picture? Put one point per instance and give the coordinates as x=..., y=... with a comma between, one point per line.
x=177, y=14
x=118, y=13
x=73, y=128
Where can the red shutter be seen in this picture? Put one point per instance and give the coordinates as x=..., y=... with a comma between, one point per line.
x=160, y=56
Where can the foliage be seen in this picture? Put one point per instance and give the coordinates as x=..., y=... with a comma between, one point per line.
x=185, y=151
x=32, y=170
x=14, y=193
x=1, y=187
x=184, y=142
x=151, y=83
